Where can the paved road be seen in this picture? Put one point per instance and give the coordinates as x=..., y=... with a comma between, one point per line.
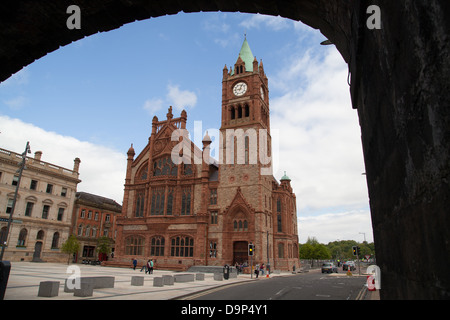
x=309, y=286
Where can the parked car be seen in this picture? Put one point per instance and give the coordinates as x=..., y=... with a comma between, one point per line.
x=349, y=265
x=329, y=267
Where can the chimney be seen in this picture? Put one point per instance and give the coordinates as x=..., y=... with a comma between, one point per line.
x=38, y=155
x=76, y=164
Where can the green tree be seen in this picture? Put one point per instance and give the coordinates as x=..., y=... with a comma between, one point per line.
x=313, y=250
x=70, y=247
x=104, y=245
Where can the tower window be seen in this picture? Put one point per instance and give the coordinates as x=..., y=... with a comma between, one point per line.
x=239, y=112
x=233, y=116
x=247, y=110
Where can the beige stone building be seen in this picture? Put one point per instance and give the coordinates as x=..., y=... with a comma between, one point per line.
x=43, y=211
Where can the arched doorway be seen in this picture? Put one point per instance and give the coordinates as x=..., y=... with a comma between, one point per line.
x=37, y=251
x=240, y=252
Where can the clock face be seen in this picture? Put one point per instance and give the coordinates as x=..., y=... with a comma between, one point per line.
x=262, y=92
x=240, y=88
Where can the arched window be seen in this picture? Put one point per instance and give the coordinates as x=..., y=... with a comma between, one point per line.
x=247, y=111
x=55, y=240
x=233, y=116
x=164, y=166
x=139, y=210
x=186, y=201
x=80, y=230
x=239, y=112
x=22, y=237
x=157, y=246
x=182, y=247
x=134, y=245
x=40, y=235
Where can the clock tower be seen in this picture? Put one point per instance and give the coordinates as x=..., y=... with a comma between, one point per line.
x=245, y=171
x=245, y=105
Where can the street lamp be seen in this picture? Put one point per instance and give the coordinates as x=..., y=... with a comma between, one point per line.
x=22, y=166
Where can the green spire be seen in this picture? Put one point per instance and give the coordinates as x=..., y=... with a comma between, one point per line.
x=285, y=177
x=246, y=56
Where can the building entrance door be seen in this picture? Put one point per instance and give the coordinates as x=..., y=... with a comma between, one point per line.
x=240, y=252
x=37, y=251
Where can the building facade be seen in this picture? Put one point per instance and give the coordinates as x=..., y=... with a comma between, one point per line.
x=181, y=207
x=43, y=210
x=93, y=218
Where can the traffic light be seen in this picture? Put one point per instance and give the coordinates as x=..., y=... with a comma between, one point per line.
x=356, y=250
x=251, y=249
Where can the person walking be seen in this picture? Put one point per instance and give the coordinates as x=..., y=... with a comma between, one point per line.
x=257, y=270
x=150, y=267
x=134, y=263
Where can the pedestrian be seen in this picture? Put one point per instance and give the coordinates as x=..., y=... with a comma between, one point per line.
x=151, y=267
x=148, y=267
x=261, y=268
x=257, y=270
x=134, y=263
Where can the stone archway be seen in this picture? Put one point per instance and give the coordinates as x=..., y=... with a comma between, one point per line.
x=400, y=77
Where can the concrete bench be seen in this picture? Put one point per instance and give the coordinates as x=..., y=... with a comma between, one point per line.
x=48, y=289
x=158, y=282
x=137, y=281
x=97, y=282
x=184, y=277
x=168, y=280
x=218, y=276
x=200, y=276
x=86, y=288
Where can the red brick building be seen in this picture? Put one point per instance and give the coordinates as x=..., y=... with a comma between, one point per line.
x=203, y=211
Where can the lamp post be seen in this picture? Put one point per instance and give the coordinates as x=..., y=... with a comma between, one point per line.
x=22, y=166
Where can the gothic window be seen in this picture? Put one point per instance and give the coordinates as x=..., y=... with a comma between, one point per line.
x=239, y=112
x=158, y=195
x=278, y=205
x=157, y=246
x=187, y=168
x=139, y=209
x=246, y=149
x=280, y=228
x=80, y=230
x=22, y=237
x=186, y=201
x=232, y=113
x=247, y=111
x=214, y=217
x=134, y=245
x=240, y=225
x=182, y=247
x=164, y=167
x=169, y=202
x=213, y=196
x=213, y=249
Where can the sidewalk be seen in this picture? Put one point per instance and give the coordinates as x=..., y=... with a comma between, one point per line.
x=25, y=277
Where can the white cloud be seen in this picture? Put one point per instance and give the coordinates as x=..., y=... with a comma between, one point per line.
x=320, y=145
x=180, y=99
x=336, y=226
x=258, y=20
x=153, y=105
x=102, y=170
x=16, y=103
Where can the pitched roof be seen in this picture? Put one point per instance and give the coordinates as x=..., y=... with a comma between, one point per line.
x=247, y=56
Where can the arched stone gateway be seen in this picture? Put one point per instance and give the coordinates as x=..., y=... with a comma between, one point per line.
x=399, y=84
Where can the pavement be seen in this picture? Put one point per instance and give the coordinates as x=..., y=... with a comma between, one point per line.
x=25, y=277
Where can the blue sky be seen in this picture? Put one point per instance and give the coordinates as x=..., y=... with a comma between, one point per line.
x=93, y=98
